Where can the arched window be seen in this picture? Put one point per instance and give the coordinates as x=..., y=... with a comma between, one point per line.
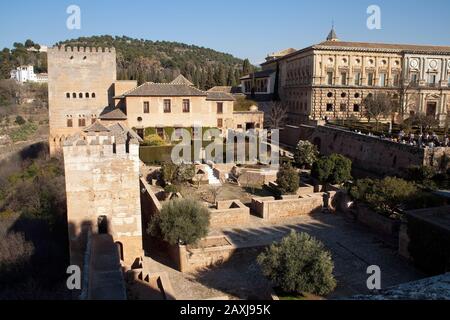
x=68, y=95
x=93, y=95
x=80, y=95
x=87, y=95
x=74, y=95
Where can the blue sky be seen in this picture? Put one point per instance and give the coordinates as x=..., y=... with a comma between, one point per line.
x=244, y=28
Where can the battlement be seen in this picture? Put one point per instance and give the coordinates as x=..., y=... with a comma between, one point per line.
x=100, y=145
x=82, y=49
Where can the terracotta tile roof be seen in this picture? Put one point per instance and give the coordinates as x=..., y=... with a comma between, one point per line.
x=219, y=96
x=182, y=80
x=383, y=46
x=120, y=130
x=164, y=90
x=113, y=114
x=96, y=127
x=369, y=46
x=259, y=74
x=226, y=89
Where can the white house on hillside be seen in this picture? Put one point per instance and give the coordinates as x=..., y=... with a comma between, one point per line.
x=24, y=74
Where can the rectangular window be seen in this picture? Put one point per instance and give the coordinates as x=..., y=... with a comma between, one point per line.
x=146, y=107
x=330, y=78
x=356, y=108
x=448, y=80
x=219, y=123
x=414, y=78
x=357, y=78
x=239, y=126
x=344, y=78
x=93, y=120
x=69, y=123
x=370, y=79
x=81, y=122
x=382, y=81
x=396, y=79
x=432, y=79
x=343, y=107
x=167, y=106
x=329, y=107
x=219, y=107
x=186, y=106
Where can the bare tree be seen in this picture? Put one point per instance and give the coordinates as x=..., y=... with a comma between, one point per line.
x=277, y=115
x=403, y=91
x=424, y=121
x=377, y=106
x=215, y=191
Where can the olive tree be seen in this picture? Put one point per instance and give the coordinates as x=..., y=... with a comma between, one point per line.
x=300, y=264
x=182, y=221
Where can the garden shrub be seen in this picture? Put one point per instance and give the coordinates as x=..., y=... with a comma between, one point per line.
x=182, y=221
x=299, y=264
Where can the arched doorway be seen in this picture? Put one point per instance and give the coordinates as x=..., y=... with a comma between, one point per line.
x=120, y=249
x=102, y=224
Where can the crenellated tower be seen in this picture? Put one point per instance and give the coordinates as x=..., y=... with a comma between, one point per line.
x=80, y=86
x=102, y=188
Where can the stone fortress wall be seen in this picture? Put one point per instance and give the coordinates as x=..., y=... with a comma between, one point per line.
x=80, y=86
x=102, y=186
x=367, y=152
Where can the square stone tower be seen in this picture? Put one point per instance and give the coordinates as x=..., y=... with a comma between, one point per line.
x=80, y=87
x=102, y=187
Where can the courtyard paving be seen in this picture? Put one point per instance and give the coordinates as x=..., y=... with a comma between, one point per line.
x=353, y=248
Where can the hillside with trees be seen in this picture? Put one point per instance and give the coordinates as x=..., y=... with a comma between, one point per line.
x=26, y=53
x=143, y=60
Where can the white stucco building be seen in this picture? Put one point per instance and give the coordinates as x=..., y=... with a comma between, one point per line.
x=24, y=74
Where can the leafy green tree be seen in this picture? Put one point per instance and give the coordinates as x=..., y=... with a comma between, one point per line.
x=173, y=173
x=424, y=175
x=300, y=264
x=29, y=43
x=185, y=172
x=390, y=193
x=287, y=179
x=246, y=67
x=342, y=171
x=334, y=169
x=169, y=172
x=361, y=188
x=323, y=169
x=305, y=154
x=182, y=221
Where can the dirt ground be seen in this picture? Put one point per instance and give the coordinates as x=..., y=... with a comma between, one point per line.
x=227, y=191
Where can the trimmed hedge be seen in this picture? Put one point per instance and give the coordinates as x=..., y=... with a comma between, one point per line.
x=155, y=154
